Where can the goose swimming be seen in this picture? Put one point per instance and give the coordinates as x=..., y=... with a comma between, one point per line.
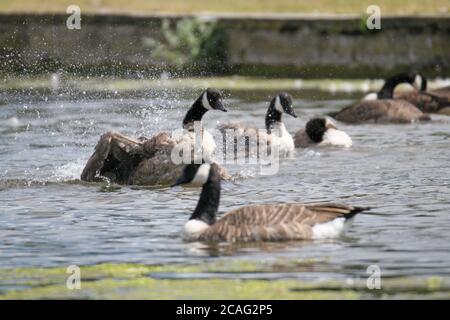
x=269, y=222
x=428, y=101
x=382, y=107
x=275, y=133
x=321, y=132
x=143, y=161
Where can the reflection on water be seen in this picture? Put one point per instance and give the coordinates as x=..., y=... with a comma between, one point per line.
x=48, y=217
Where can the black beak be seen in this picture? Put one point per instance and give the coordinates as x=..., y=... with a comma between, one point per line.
x=219, y=106
x=291, y=112
x=181, y=180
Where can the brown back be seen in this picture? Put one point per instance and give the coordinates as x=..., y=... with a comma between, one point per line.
x=273, y=222
x=381, y=111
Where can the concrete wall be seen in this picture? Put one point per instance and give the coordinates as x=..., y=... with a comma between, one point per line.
x=271, y=46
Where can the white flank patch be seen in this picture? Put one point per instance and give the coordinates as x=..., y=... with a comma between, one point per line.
x=278, y=105
x=202, y=174
x=418, y=82
x=193, y=227
x=371, y=96
x=205, y=101
x=336, y=137
x=330, y=229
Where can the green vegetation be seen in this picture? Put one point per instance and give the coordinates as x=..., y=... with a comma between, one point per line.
x=190, y=43
x=400, y=7
x=135, y=281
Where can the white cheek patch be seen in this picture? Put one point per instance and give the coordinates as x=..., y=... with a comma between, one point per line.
x=202, y=174
x=418, y=82
x=371, y=96
x=278, y=105
x=205, y=101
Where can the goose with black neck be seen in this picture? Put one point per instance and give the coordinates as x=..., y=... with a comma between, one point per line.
x=381, y=107
x=269, y=222
x=209, y=100
x=142, y=161
x=428, y=101
x=275, y=133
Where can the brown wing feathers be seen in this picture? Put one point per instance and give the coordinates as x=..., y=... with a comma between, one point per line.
x=275, y=222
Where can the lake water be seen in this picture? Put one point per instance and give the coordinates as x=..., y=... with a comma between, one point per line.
x=49, y=218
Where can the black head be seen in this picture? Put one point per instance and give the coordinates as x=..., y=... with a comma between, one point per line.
x=207, y=176
x=283, y=103
x=211, y=99
x=195, y=174
x=316, y=128
x=419, y=81
x=415, y=79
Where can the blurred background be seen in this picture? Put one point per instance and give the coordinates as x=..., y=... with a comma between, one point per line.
x=179, y=38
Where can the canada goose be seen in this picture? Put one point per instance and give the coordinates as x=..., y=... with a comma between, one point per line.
x=276, y=222
x=143, y=161
x=281, y=103
x=321, y=132
x=381, y=107
x=433, y=101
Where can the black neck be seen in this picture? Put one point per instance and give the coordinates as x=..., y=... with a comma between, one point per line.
x=387, y=91
x=273, y=116
x=208, y=204
x=195, y=113
x=424, y=84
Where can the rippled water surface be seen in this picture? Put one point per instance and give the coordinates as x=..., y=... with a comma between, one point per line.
x=49, y=218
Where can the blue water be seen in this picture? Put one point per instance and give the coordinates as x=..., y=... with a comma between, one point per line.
x=49, y=218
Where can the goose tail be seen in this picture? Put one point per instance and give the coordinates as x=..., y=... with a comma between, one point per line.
x=332, y=114
x=355, y=210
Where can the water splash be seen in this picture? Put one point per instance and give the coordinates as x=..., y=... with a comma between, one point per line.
x=68, y=172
